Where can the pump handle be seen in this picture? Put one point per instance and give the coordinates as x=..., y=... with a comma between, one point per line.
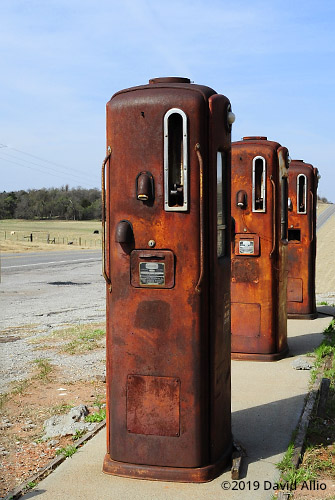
x=273, y=216
x=202, y=237
x=103, y=200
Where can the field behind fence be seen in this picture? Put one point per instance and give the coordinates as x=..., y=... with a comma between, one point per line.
x=24, y=235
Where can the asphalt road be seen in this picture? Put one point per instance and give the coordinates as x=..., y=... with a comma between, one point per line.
x=48, y=289
x=21, y=262
x=324, y=216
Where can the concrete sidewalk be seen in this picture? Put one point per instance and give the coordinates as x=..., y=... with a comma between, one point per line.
x=267, y=400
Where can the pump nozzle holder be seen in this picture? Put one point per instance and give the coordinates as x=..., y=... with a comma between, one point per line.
x=144, y=186
x=241, y=199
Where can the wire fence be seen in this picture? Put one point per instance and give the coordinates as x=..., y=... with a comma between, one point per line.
x=52, y=238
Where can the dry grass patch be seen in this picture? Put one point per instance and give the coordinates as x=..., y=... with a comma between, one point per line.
x=19, y=331
x=77, y=339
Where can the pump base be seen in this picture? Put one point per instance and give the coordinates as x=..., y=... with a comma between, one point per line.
x=302, y=316
x=248, y=356
x=176, y=474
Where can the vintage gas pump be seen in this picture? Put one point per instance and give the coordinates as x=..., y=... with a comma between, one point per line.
x=167, y=266
x=259, y=279
x=303, y=182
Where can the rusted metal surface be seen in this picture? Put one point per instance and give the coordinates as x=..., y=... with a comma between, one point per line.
x=168, y=315
x=153, y=405
x=259, y=277
x=303, y=182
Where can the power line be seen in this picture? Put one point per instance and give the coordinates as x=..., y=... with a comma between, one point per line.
x=63, y=167
x=74, y=176
x=37, y=169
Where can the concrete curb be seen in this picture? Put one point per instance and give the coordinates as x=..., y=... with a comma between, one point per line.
x=304, y=421
x=23, y=488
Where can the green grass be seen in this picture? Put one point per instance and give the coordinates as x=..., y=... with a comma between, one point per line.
x=68, y=451
x=20, y=386
x=326, y=350
x=44, y=369
x=31, y=484
x=60, y=409
x=76, y=339
x=3, y=399
x=99, y=400
x=86, y=341
x=289, y=473
x=98, y=416
x=78, y=435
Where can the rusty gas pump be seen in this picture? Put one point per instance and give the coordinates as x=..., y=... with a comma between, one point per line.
x=166, y=218
x=258, y=291
x=303, y=182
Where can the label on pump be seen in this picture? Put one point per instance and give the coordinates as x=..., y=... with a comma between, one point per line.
x=152, y=273
x=246, y=246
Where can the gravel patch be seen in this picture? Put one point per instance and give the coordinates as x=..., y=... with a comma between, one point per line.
x=35, y=302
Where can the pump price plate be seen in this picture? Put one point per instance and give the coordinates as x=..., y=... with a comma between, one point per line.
x=246, y=247
x=152, y=273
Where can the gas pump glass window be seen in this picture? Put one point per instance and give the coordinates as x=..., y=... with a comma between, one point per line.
x=258, y=184
x=301, y=193
x=175, y=161
x=284, y=209
x=221, y=206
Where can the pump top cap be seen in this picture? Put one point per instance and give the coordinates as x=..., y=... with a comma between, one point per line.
x=170, y=79
x=255, y=138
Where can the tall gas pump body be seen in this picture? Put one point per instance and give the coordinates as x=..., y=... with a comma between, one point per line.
x=303, y=182
x=258, y=290
x=167, y=266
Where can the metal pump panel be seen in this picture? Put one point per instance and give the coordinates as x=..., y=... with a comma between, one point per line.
x=303, y=182
x=258, y=289
x=166, y=216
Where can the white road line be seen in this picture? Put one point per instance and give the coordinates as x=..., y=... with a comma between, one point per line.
x=48, y=263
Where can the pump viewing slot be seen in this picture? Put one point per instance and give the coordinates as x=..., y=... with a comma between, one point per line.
x=258, y=184
x=301, y=193
x=175, y=161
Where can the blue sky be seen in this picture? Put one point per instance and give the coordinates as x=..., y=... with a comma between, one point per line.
x=62, y=60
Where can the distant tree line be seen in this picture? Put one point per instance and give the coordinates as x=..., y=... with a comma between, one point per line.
x=56, y=203
x=323, y=199
x=53, y=203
